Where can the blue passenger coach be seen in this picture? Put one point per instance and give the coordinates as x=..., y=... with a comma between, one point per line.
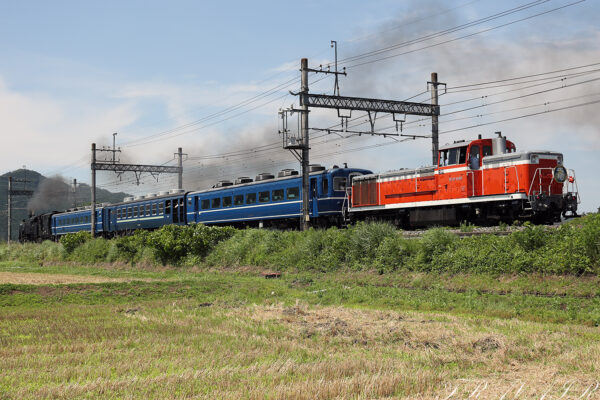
x=148, y=212
x=79, y=220
x=266, y=201
x=270, y=201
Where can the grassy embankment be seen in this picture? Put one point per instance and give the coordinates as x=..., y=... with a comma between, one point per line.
x=411, y=326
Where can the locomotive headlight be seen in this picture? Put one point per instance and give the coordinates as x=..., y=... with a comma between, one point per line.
x=560, y=174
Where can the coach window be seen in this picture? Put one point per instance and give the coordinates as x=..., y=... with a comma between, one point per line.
x=216, y=202
x=161, y=207
x=189, y=202
x=154, y=209
x=205, y=204
x=263, y=197
x=339, y=183
x=227, y=201
x=325, y=186
x=293, y=193
x=238, y=200
x=168, y=207
x=118, y=213
x=278, y=195
x=129, y=212
x=250, y=198
x=135, y=211
x=147, y=209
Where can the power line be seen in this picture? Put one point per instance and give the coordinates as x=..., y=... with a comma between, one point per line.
x=465, y=36
x=524, y=76
x=443, y=32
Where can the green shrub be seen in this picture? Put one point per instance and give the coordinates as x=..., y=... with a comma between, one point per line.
x=92, y=251
x=365, y=238
x=435, y=242
x=71, y=241
x=396, y=253
x=173, y=243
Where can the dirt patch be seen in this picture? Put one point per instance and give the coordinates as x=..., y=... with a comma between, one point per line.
x=24, y=278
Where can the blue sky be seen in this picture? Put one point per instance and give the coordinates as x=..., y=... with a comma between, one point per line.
x=74, y=72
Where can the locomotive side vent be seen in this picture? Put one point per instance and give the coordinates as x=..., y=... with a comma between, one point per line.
x=263, y=177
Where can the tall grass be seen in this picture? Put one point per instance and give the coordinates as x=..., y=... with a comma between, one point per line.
x=573, y=248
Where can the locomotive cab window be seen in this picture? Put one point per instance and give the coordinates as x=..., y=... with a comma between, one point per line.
x=250, y=198
x=487, y=151
x=205, y=204
x=238, y=200
x=293, y=193
x=216, y=202
x=277, y=195
x=339, y=183
x=227, y=201
x=474, y=157
x=263, y=197
x=454, y=156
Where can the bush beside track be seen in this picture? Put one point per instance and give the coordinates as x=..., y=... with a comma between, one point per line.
x=572, y=248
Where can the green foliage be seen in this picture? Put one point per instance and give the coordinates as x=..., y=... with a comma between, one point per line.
x=173, y=243
x=572, y=248
x=466, y=226
x=91, y=251
x=71, y=241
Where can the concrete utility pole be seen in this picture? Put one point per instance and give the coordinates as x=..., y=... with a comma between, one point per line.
x=93, y=227
x=74, y=191
x=9, y=207
x=305, y=223
x=180, y=165
x=435, y=141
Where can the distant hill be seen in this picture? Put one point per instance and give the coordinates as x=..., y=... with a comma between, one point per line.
x=51, y=194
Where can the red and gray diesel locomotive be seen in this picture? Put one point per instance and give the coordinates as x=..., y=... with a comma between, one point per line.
x=481, y=181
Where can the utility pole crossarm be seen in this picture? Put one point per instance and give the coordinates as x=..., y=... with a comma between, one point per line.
x=365, y=104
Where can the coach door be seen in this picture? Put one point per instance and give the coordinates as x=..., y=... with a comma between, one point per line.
x=313, y=200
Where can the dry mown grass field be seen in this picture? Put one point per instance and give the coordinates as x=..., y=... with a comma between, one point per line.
x=233, y=335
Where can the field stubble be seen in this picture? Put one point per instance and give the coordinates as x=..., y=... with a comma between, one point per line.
x=276, y=346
